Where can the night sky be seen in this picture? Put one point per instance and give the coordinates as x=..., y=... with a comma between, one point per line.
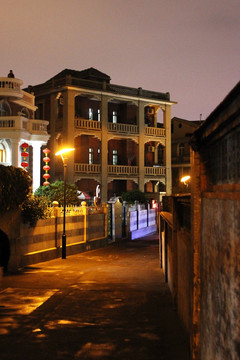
x=190, y=48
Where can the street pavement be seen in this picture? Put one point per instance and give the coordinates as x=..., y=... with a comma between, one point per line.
x=106, y=304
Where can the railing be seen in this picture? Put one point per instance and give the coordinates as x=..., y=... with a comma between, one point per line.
x=118, y=169
x=22, y=123
x=87, y=168
x=10, y=87
x=87, y=124
x=38, y=126
x=123, y=128
x=155, y=170
x=122, y=170
x=153, y=131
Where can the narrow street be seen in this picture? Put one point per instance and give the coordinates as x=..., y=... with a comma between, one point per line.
x=110, y=303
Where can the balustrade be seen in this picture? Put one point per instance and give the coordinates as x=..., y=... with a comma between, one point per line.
x=161, y=170
x=87, y=168
x=153, y=131
x=87, y=124
x=122, y=170
x=123, y=128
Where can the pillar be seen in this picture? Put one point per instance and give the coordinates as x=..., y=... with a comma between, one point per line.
x=15, y=153
x=104, y=147
x=36, y=176
x=68, y=130
x=168, y=162
x=141, y=146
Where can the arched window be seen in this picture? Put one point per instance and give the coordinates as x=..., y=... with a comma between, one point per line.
x=5, y=109
x=25, y=113
x=2, y=153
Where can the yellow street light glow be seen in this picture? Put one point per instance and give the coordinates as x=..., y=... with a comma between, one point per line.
x=63, y=151
x=185, y=178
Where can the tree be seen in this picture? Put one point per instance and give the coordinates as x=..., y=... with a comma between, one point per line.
x=134, y=195
x=54, y=192
x=15, y=185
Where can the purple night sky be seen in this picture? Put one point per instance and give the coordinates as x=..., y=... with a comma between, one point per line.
x=190, y=48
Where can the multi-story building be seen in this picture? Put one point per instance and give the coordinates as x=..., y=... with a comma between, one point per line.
x=181, y=131
x=121, y=135
x=19, y=126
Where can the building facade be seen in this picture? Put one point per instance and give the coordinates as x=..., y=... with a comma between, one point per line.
x=121, y=135
x=181, y=132
x=19, y=126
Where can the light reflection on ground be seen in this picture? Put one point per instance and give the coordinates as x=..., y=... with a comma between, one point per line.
x=15, y=302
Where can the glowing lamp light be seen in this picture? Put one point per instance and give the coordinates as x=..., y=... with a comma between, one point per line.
x=24, y=154
x=185, y=178
x=46, y=167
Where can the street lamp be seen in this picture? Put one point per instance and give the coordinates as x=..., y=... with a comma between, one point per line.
x=63, y=153
x=184, y=179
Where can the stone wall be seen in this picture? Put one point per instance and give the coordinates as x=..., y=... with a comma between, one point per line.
x=220, y=279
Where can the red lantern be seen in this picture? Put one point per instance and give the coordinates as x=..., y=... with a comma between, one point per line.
x=24, y=154
x=24, y=164
x=46, y=167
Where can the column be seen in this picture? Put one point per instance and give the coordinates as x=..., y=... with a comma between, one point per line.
x=68, y=130
x=104, y=148
x=36, y=175
x=15, y=152
x=52, y=140
x=168, y=162
x=141, y=146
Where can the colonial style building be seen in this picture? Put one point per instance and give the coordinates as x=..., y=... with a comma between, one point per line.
x=121, y=135
x=18, y=126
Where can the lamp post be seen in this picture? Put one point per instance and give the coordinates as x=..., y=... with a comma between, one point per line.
x=64, y=159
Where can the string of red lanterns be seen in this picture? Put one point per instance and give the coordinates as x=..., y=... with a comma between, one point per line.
x=46, y=167
x=25, y=155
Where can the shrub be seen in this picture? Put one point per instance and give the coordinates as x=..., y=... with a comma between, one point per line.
x=134, y=195
x=35, y=208
x=15, y=185
x=54, y=192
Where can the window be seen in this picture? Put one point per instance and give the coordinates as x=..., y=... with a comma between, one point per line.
x=181, y=150
x=115, y=157
x=5, y=109
x=90, y=156
x=114, y=117
x=90, y=114
x=2, y=154
x=98, y=115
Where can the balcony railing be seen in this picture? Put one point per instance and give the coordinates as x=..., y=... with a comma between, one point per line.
x=119, y=170
x=153, y=131
x=122, y=170
x=11, y=87
x=87, y=124
x=14, y=123
x=123, y=128
x=157, y=171
x=185, y=159
x=87, y=168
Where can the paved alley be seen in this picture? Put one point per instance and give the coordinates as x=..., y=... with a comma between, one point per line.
x=110, y=303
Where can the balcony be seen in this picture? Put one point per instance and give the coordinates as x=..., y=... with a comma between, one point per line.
x=119, y=170
x=10, y=87
x=123, y=128
x=87, y=124
x=155, y=171
x=154, y=131
x=122, y=170
x=20, y=123
x=118, y=128
x=87, y=168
